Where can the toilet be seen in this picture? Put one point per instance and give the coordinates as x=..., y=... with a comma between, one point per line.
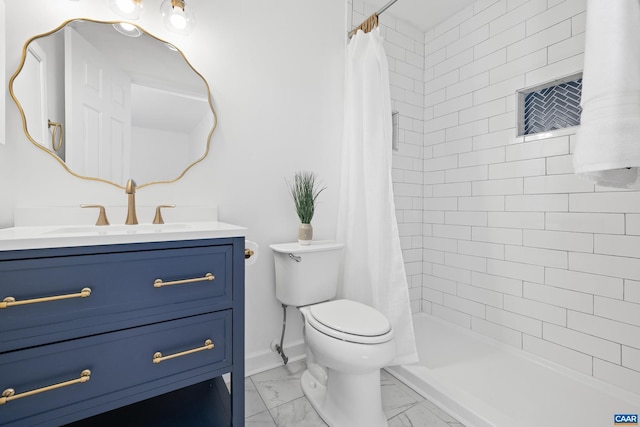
x=347, y=343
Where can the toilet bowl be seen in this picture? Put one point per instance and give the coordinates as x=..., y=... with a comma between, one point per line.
x=351, y=341
x=347, y=343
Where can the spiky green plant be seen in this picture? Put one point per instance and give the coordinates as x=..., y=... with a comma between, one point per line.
x=305, y=191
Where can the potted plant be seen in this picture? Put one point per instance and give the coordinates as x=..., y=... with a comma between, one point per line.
x=305, y=191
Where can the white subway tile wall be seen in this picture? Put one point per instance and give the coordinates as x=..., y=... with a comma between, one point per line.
x=521, y=249
x=496, y=231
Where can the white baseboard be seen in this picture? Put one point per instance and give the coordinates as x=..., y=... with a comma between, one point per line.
x=264, y=360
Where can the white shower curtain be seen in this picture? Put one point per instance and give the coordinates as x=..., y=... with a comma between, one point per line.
x=373, y=268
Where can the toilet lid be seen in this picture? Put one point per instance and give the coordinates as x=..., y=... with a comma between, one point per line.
x=350, y=321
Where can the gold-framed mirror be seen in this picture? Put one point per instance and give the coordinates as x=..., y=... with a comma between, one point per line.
x=111, y=102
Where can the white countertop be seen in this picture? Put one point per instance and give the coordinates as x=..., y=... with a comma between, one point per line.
x=36, y=237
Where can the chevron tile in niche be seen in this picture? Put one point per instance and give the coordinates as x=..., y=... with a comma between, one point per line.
x=554, y=107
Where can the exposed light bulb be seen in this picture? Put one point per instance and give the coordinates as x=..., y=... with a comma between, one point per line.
x=126, y=8
x=178, y=20
x=127, y=29
x=177, y=16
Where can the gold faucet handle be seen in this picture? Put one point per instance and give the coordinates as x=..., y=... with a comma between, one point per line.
x=102, y=215
x=158, y=218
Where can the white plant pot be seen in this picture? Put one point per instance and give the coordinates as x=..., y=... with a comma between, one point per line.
x=305, y=234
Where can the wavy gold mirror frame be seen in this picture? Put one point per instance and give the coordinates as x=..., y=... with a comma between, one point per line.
x=61, y=161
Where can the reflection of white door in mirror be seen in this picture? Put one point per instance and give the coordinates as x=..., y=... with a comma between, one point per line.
x=99, y=117
x=35, y=99
x=3, y=84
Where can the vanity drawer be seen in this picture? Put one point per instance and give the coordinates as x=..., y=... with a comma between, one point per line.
x=121, y=364
x=122, y=291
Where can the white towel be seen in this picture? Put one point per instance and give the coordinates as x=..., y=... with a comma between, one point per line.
x=608, y=141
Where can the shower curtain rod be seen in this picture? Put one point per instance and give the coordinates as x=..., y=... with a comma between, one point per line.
x=378, y=13
x=385, y=7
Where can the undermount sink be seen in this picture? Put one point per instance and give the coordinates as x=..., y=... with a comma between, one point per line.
x=120, y=229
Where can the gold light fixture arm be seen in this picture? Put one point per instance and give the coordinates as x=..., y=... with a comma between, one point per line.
x=10, y=394
x=11, y=301
x=177, y=3
x=159, y=283
x=158, y=357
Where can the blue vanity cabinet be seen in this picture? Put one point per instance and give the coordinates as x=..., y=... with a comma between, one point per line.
x=121, y=291
x=162, y=321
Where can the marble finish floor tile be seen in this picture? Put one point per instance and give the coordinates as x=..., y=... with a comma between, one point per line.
x=396, y=399
x=261, y=419
x=417, y=416
x=386, y=376
x=297, y=413
x=274, y=398
x=280, y=385
x=253, y=403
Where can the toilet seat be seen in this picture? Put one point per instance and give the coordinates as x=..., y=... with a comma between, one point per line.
x=350, y=321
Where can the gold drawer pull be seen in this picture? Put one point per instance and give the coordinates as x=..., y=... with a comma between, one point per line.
x=11, y=301
x=10, y=394
x=158, y=357
x=158, y=283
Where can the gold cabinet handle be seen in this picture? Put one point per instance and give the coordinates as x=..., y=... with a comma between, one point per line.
x=158, y=283
x=10, y=394
x=158, y=357
x=11, y=301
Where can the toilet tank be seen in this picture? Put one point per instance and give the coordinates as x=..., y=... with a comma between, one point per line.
x=307, y=274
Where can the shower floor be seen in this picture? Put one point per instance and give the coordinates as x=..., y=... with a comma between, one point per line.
x=486, y=383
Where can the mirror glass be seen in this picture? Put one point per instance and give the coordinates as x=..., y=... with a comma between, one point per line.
x=113, y=102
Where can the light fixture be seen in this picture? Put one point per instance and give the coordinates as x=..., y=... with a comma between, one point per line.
x=126, y=8
x=177, y=16
x=127, y=29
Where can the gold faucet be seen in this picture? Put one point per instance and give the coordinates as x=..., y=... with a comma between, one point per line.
x=132, y=219
x=158, y=218
x=102, y=215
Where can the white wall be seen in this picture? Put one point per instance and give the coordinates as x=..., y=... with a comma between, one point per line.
x=276, y=74
x=3, y=89
x=152, y=147
x=516, y=247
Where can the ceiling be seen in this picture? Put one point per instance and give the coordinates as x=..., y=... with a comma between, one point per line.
x=423, y=14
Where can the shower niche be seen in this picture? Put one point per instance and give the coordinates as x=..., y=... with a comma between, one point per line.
x=550, y=106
